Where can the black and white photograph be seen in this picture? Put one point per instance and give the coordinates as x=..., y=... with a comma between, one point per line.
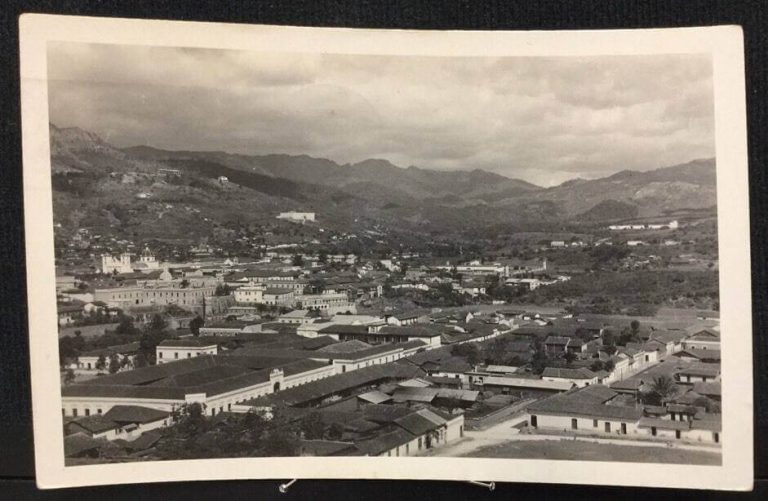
x=315, y=253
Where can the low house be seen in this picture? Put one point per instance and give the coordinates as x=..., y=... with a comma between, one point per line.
x=96, y=361
x=580, y=377
x=80, y=445
x=121, y=421
x=585, y=410
x=703, y=339
x=699, y=374
x=699, y=355
x=231, y=328
x=297, y=317
x=170, y=350
x=69, y=312
x=556, y=344
x=408, y=318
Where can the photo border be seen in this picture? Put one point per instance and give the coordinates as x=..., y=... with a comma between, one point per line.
x=724, y=43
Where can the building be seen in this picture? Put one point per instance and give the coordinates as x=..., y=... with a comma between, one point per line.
x=585, y=410
x=377, y=335
x=702, y=339
x=297, y=317
x=216, y=382
x=328, y=302
x=171, y=350
x=90, y=362
x=112, y=265
x=128, y=297
x=125, y=422
x=231, y=328
x=579, y=377
x=301, y=217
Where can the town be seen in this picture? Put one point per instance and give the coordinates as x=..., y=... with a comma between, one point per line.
x=293, y=338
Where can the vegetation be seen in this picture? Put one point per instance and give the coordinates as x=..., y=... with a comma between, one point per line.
x=195, y=435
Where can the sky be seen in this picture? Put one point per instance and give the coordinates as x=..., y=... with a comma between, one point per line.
x=544, y=120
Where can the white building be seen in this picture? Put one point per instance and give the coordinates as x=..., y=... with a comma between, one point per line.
x=172, y=350
x=120, y=264
x=300, y=217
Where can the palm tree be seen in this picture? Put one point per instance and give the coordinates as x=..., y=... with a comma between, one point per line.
x=663, y=387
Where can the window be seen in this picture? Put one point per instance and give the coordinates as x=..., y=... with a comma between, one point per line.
x=74, y=412
x=607, y=427
x=677, y=434
x=716, y=437
x=623, y=428
x=407, y=448
x=653, y=431
x=161, y=354
x=419, y=443
x=175, y=354
x=189, y=355
x=534, y=421
x=594, y=423
x=574, y=424
x=87, y=412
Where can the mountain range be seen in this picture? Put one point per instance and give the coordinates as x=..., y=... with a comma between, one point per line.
x=97, y=183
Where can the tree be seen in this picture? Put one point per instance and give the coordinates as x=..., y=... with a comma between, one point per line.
x=634, y=326
x=569, y=357
x=125, y=326
x=322, y=257
x=195, y=324
x=184, y=283
x=297, y=260
x=69, y=376
x=311, y=426
x=157, y=324
x=223, y=290
x=467, y=350
x=335, y=431
x=114, y=363
x=101, y=363
x=662, y=389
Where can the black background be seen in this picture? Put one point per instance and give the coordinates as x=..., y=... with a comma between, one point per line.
x=16, y=445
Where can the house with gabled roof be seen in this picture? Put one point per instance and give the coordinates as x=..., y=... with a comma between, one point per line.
x=585, y=410
x=703, y=339
x=577, y=376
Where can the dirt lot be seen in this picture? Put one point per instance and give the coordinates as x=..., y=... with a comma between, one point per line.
x=586, y=451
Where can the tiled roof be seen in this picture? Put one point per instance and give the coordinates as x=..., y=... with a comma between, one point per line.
x=345, y=347
x=94, y=424
x=374, y=397
x=708, y=389
x=78, y=443
x=135, y=414
x=664, y=424
x=208, y=374
x=385, y=442
x=416, y=424
x=185, y=343
x=409, y=331
x=566, y=373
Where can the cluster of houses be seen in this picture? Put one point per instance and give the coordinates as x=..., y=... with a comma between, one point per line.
x=672, y=225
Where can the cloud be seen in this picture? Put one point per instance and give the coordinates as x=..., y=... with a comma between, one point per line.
x=542, y=119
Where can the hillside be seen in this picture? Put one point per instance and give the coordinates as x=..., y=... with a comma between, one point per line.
x=687, y=186
x=144, y=192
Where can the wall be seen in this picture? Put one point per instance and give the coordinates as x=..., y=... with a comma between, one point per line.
x=171, y=354
x=106, y=403
x=585, y=425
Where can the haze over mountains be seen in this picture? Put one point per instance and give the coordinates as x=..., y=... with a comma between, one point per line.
x=91, y=172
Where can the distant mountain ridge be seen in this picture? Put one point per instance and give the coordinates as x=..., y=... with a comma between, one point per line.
x=99, y=183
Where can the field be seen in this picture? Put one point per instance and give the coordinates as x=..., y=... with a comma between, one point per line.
x=588, y=451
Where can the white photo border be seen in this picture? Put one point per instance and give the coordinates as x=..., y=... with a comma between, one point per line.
x=724, y=43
